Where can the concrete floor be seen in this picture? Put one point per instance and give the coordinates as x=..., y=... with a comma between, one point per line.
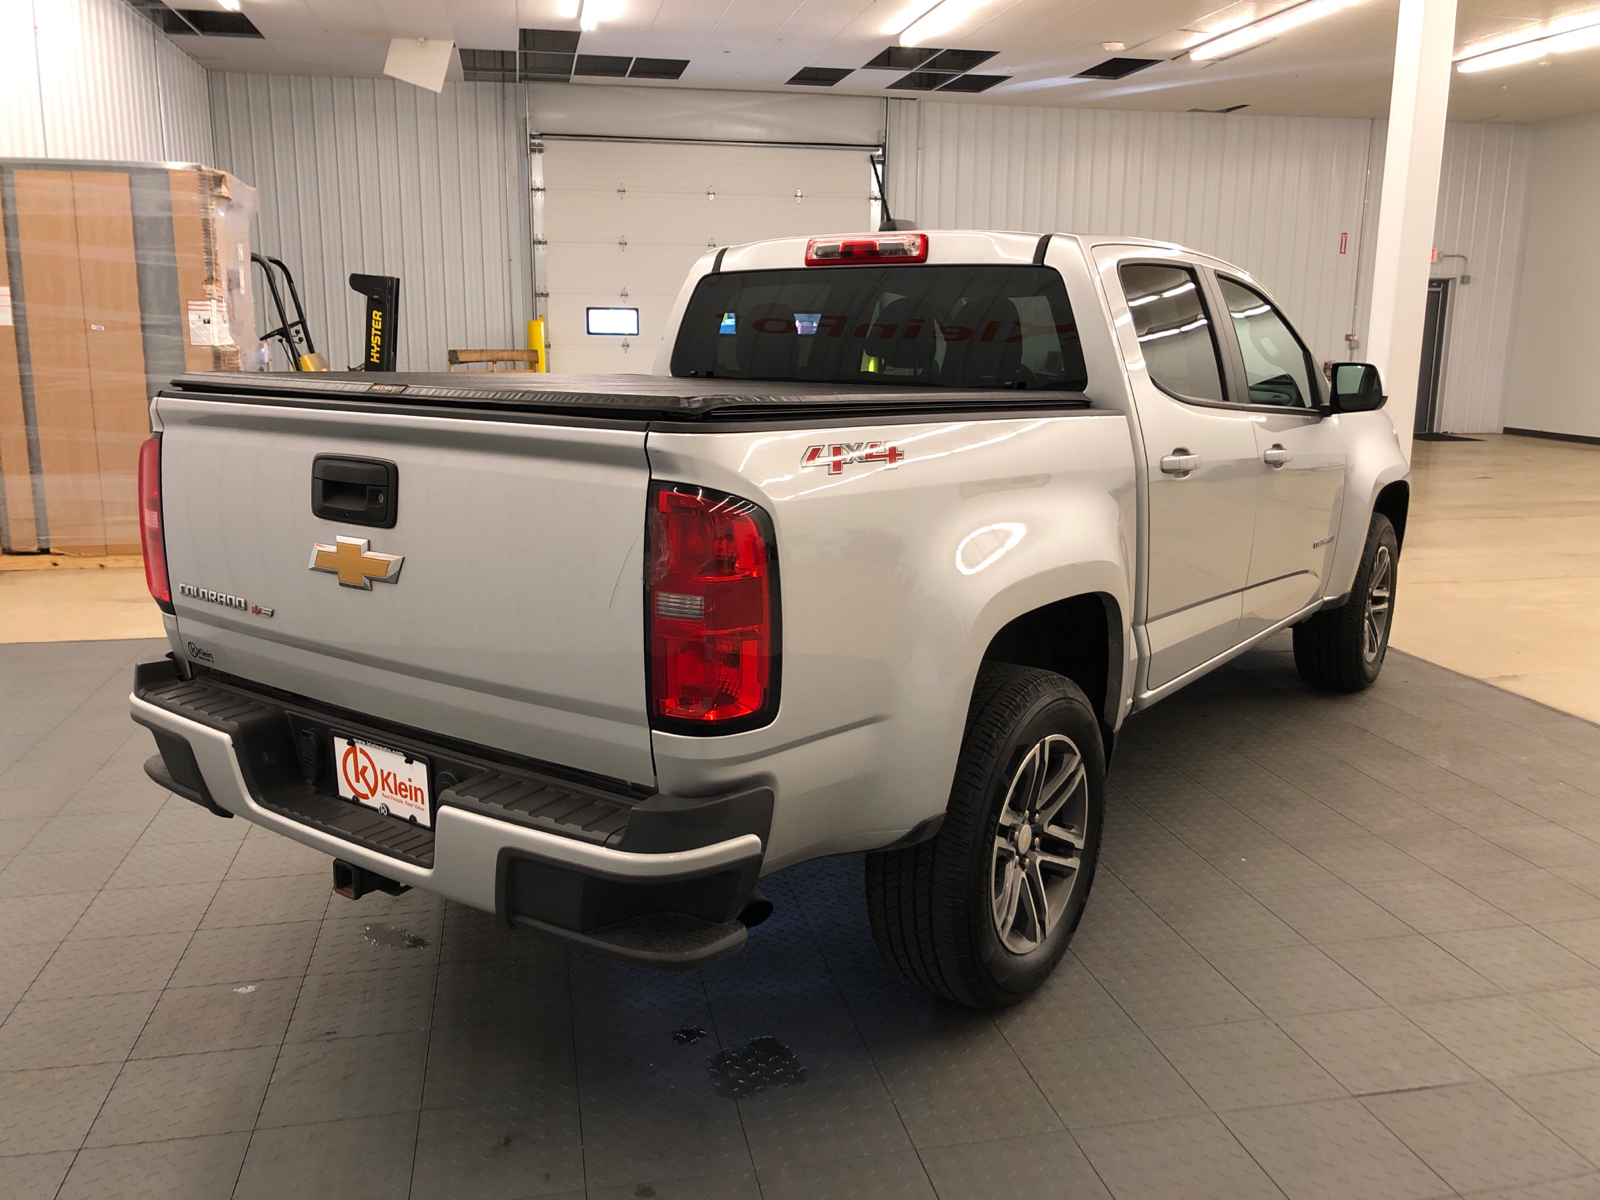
x=1500, y=575
x=54, y=598
x=1338, y=947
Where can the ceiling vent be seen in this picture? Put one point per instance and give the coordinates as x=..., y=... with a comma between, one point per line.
x=605, y=66
x=657, y=68
x=193, y=22
x=973, y=83
x=551, y=56
x=901, y=58
x=549, y=41
x=162, y=17
x=1117, y=68
x=210, y=23
x=545, y=66
x=819, y=76
x=489, y=66
x=935, y=70
x=958, y=60
x=922, y=81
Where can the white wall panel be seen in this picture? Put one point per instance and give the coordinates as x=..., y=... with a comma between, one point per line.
x=375, y=176
x=1552, y=376
x=105, y=84
x=728, y=116
x=902, y=156
x=21, y=121
x=1273, y=194
x=1482, y=214
x=381, y=178
x=184, y=91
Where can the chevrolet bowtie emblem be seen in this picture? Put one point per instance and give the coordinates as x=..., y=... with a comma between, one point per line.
x=354, y=564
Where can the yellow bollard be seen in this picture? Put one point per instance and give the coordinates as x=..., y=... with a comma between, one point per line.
x=536, y=343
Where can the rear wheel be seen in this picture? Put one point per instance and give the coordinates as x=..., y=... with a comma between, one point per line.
x=1342, y=649
x=981, y=913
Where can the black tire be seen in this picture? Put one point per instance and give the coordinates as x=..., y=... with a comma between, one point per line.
x=934, y=905
x=1336, y=648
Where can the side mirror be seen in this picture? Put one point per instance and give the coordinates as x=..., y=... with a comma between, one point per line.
x=1356, y=387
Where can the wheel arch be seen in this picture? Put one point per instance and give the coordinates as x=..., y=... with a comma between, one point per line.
x=1394, y=502
x=1079, y=636
x=1375, y=481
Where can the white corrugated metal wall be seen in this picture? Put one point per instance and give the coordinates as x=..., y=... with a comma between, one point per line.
x=379, y=177
x=1482, y=206
x=1482, y=194
x=1273, y=194
x=21, y=126
x=382, y=178
x=94, y=79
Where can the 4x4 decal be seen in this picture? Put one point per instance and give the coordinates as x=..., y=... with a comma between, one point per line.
x=843, y=454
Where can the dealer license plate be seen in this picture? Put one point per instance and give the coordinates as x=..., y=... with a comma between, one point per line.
x=391, y=781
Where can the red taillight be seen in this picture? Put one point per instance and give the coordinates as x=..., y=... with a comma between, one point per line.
x=866, y=249
x=151, y=537
x=712, y=590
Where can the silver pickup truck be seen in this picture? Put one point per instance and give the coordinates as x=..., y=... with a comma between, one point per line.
x=900, y=530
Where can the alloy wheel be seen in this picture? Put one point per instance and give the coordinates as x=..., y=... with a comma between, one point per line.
x=1038, y=843
x=1375, y=625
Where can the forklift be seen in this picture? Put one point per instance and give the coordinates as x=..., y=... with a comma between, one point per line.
x=293, y=335
x=382, y=293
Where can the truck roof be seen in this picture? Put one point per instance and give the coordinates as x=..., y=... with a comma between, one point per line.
x=945, y=246
x=638, y=397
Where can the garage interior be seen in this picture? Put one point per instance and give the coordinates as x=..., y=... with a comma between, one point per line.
x=1337, y=946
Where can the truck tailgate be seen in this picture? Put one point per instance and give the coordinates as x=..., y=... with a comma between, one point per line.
x=516, y=618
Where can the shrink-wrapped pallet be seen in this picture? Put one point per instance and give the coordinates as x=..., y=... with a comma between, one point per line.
x=116, y=277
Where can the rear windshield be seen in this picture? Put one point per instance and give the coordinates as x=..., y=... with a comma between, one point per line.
x=957, y=327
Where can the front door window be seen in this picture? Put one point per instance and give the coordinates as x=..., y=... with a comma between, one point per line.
x=1276, y=367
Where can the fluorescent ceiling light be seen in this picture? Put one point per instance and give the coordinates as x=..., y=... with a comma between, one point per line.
x=1268, y=27
x=230, y=5
x=903, y=19
x=1578, y=32
x=938, y=20
x=595, y=11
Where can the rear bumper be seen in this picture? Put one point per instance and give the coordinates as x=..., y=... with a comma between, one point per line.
x=240, y=752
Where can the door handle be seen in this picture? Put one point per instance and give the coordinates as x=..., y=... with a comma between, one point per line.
x=1276, y=456
x=1180, y=462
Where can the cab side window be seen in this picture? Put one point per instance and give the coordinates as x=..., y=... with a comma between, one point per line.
x=1174, y=331
x=1277, y=368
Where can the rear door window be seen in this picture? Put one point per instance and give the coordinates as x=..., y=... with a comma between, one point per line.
x=939, y=326
x=1277, y=368
x=1174, y=329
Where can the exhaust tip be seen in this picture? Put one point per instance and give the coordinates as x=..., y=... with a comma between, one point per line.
x=756, y=911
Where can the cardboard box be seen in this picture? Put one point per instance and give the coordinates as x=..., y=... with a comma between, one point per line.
x=117, y=277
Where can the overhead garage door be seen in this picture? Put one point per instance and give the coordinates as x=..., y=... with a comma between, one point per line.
x=624, y=223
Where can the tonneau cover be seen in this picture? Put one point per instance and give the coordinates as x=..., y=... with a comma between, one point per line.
x=637, y=397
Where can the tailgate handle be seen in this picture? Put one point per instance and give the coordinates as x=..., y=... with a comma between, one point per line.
x=357, y=491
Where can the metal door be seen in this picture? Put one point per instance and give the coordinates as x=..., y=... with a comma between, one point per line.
x=624, y=222
x=1433, y=327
